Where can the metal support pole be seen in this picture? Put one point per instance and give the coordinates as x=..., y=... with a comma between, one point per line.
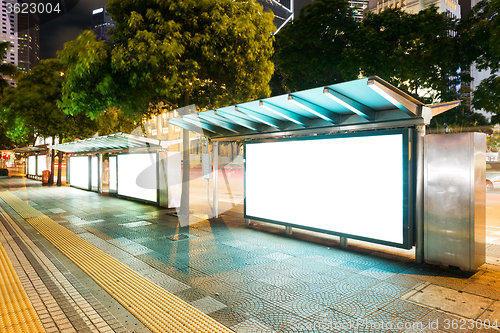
x=343, y=241
x=99, y=173
x=288, y=230
x=419, y=200
x=185, y=173
x=215, y=150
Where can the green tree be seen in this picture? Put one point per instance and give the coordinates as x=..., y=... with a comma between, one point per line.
x=206, y=52
x=481, y=30
x=310, y=51
x=418, y=53
x=31, y=109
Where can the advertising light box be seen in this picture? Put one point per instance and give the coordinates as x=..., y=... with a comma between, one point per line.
x=41, y=164
x=32, y=165
x=137, y=176
x=95, y=172
x=351, y=185
x=112, y=173
x=79, y=171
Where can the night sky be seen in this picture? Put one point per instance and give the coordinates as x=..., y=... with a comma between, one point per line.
x=55, y=33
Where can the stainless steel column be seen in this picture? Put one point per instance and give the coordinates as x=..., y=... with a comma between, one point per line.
x=215, y=178
x=455, y=199
x=99, y=173
x=419, y=200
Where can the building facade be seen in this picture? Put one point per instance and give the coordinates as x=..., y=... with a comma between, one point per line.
x=23, y=32
x=101, y=23
x=414, y=6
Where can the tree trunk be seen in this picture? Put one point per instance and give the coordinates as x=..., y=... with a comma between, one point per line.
x=185, y=165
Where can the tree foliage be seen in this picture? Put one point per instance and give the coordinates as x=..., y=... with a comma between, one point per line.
x=418, y=53
x=88, y=87
x=206, y=52
x=482, y=31
x=311, y=51
x=31, y=109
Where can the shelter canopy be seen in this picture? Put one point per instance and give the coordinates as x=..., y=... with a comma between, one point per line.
x=359, y=104
x=118, y=141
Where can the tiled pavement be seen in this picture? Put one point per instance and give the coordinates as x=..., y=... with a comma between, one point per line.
x=249, y=279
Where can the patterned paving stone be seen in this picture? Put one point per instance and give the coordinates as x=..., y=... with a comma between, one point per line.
x=277, y=318
x=329, y=298
x=359, y=306
x=278, y=296
x=303, y=307
x=338, y=273
x=208, y=305
x=249, y=304
x=404, y=280
x=277, y=280
x=405, y=309
x=333, y=321
x=191, y=294
x=252, y=326
x=257, y=288
x=228, y=316
x=278, y=256
x=389, y=289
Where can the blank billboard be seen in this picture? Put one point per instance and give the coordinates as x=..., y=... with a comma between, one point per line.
x=350, y=185
x=41, y=164
x=137, y=176
x=79, y=171
x=32, y=165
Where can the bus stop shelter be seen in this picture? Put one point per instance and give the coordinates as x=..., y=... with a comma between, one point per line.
x=299, y=172
x=137, y=167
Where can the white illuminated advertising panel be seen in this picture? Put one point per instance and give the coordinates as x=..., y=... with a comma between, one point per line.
x=32, y=165
x=95, y=172
x=79, y=171
x=351, y=186
x=41, y=164
x=112, y=173
x=137, y=176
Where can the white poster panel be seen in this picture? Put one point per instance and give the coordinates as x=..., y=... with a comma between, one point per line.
x=95, y=172
x=79, y=171
x=41, y=164
x=174, y=176
x=32, y=165
x=137, y=176
x=112, y=173
x=348, y=185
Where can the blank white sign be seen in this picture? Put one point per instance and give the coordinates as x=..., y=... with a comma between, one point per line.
x=348, y=185
x=79, y=171
x=137, y=176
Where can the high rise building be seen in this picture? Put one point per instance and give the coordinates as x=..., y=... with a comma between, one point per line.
x=101, y=23
x=283, y=11
x=414, y=6
x=23, y=32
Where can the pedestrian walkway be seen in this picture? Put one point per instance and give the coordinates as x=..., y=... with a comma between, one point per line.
x=92, y=263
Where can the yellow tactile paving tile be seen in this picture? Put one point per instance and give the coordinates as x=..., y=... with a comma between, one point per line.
x=16, y=311
x=156, y=308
